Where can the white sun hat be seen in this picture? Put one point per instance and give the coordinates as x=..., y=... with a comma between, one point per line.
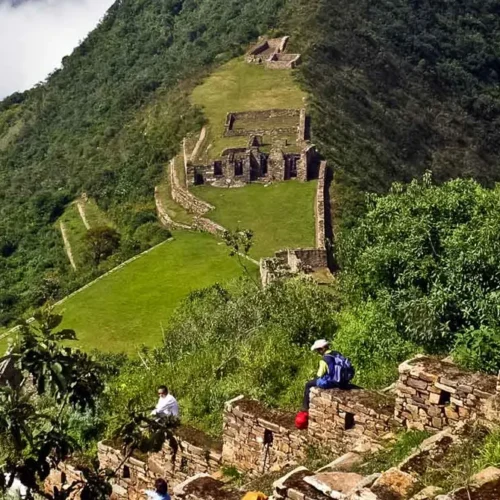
x=319, y=344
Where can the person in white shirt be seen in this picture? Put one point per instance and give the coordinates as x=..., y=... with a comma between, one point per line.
x=167, y=405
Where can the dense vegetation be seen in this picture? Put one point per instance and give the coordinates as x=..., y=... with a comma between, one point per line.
x=426, y=258
x=106, y=123
x=402, y=86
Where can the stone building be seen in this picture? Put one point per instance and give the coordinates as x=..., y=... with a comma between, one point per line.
x=277, y=149
x=272, y=53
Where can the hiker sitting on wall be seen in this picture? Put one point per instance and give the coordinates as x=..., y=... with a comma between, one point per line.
x=334, y=370
x=167, y=405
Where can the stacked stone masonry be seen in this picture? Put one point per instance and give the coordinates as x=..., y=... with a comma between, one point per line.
x=433, y=394
x=320, y=208
x=430, y=394
x=231, y=128
x=342, y=418
x=257, y=440
x=272, y=54
x=184, y=198
x=176, y=462
x=269, y=155
x=163, y=215
x=291, y=262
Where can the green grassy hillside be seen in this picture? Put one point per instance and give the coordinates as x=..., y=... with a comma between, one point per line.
x=127, y=308
x=238, y=86
x=281, y=214
x=105, y=124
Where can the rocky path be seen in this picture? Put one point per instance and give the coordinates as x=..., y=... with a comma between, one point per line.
x=196, y=149
x=67, y=246
x=81, y=210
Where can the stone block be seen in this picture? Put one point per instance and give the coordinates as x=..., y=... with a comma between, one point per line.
x=434, y=398
x=444, y=387
x=429, y=493
x=417, y=383
x=394, y=484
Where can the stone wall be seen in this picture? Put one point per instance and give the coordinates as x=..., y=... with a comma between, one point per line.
x=258, y=440
x=232, y=119
x=320, y=207
x=291, y=262
x=283, y=61
x=184, y=198
x=205, y=487
x=63, y=477
x=341, y=419
x=433, y=394
x=208, y=226
x=163, y=215
x=302, y=133
x=192, y=452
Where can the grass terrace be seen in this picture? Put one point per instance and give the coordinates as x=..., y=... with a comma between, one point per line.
x=239, y=86
x=127, y=308
x=281, y=214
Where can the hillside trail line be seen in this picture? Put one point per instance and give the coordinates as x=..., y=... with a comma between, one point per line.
x=83, y=215
x=196, y=149
x=67, y=246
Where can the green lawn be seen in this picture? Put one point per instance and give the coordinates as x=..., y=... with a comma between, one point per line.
x=281, y=214
x=238, y=86
x=127, y=308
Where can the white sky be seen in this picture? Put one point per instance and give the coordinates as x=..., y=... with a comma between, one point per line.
x=35, y=36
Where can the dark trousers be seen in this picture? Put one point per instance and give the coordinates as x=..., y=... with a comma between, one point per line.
x=307, y=392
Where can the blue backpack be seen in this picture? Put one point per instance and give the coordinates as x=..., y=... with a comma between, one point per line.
x=340, y=371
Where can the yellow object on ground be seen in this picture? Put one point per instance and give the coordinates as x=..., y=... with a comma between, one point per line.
x=255, y=495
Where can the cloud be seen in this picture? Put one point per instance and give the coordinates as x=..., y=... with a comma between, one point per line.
x=37, y=34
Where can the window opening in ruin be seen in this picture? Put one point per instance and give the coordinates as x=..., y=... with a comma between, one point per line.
x=293, y=167
x=349, y=421
x=218, y=168
x=63, y=478
x=126, y=472
x=238, y=167
x=263, y=165
x=268, y=437
x=444, y=398
x=184, y=465
x=198, y=179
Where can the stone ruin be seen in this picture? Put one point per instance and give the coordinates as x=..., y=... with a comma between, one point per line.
x=272, y=53
x=277, y=149
x=348, y=423
x=308, y=261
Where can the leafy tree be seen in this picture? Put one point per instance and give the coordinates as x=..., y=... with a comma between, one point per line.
x=430, y=256
x=48, y=386
x=240, y=242
x=102, y=242
x=48, y=381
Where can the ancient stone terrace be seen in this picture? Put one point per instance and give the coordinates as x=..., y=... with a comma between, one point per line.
x=430, y=394
x=272, y=53
x=433, y=394
x=276, y=149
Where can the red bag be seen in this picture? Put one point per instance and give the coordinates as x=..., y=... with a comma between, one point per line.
x=302, y=420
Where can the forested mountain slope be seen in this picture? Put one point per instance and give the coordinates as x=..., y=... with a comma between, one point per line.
x=396, y=87
x=106, y=123
x=402, y=86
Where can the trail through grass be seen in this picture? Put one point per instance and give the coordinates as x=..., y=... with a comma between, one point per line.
x=281, y=215
x=126, y=309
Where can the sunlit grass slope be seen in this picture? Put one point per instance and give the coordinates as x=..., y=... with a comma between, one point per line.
x=281, y=214
x=127, y=308
x=239, y=86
